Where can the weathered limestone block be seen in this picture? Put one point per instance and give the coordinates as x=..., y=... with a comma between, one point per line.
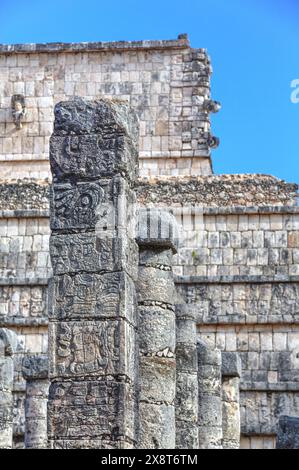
x=155, y=286
x=151, y=320
x=186, y=357
x=158, y=379
x=288, y=433
x=157, y=228
x=8, y=345
x=92, y=331
x=88, y=252
x=104, y=204
x=186, y=399
x=94, y=139
x=186, y=408
x=92, y=409
x=157, y=363
x=103, y=443
x=89, y=348
x=89, y=296
x=6, y=420
x=209, y=437
x=35, y=371
x=231, y=426
x=209, y=397
x=231, y=364
x=157, y=426
x=35, y=367
x=156, y=257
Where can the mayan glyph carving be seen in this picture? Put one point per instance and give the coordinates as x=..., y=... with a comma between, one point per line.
x=90, y=296
x=92, y=332
x=90, y=253
x=97, y=148
x=18, y=110
x=91, y=348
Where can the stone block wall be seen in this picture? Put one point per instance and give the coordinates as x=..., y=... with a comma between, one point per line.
x=242, y=274
x=166, y=82
x=24, y=248
x=24, y=271
x=243, y=245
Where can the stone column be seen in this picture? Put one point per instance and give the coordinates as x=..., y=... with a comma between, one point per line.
x=209, y=398
x=157, y=240
x=92, y=301
x=35, y=372
x=186, y=409
x=8, y=344
x=231, y=373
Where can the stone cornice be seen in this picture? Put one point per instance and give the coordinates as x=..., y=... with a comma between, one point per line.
x=235, y=279
x=182, y=42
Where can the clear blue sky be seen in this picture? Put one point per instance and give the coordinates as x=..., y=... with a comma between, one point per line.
x=254, y=45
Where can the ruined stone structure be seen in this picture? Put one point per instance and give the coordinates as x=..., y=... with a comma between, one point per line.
x=228, y=290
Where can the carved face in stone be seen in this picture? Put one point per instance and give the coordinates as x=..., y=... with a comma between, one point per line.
x=18, y=108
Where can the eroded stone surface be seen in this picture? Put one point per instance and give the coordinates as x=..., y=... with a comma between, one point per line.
x=93, y=296
x=91, y=409
x=288, y=433
x=89, y=252
x=91, y=348
x=94, y=139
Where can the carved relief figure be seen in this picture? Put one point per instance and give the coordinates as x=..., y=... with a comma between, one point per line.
x=83, y=349
x=18, y=110
x=75, y=206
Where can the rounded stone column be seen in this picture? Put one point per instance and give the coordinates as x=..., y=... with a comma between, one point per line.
x=8, y=344
x=35, y=372
x=231, y=373
x=209, y=397
x=157, y=332
x=186, y=405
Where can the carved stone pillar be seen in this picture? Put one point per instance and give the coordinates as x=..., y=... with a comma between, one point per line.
x=157, y=240
x=92, y=313
x=209, y=397
x=186, y=410
x=8, y=344
x=231, y=373
x=35, y=372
